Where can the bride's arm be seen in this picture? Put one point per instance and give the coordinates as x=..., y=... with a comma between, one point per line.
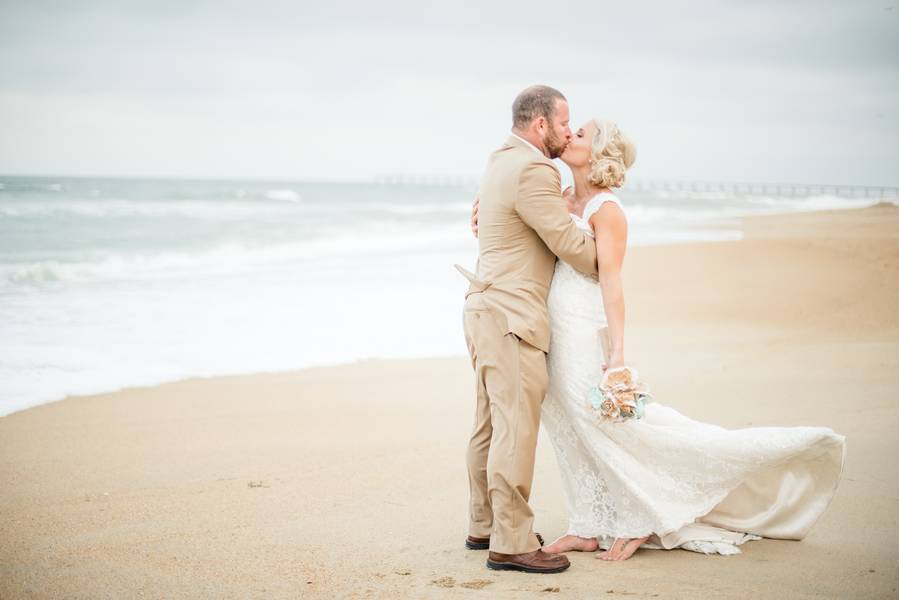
x=610, y=227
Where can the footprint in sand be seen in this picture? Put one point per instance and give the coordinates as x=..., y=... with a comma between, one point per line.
x=476, y=584
x=446, y=582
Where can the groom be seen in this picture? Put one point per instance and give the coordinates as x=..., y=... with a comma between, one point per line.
x=523, y=226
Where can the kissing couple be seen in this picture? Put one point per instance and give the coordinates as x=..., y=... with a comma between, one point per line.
x=546, y=289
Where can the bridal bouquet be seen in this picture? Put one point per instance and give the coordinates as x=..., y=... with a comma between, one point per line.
x=619, y=395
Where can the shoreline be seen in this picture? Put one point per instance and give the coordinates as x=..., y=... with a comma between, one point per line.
x=349, y=480
x=730, y=225
x=232, y=375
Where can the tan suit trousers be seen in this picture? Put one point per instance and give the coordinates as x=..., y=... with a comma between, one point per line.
x=511, y=382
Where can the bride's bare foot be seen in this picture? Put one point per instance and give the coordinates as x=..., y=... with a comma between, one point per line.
x=622, y=549
x=572, y=543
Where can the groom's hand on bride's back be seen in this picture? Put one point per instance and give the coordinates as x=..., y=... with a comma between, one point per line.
x=474, y=216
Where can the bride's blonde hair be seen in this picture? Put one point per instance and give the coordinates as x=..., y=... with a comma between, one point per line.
x=611, y=155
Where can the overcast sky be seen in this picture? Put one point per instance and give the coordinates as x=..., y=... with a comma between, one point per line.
x=759, y=91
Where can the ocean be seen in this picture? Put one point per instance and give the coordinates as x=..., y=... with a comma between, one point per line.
x=111, y=283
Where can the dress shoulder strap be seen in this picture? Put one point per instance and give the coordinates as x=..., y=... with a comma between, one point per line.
x=598, y=200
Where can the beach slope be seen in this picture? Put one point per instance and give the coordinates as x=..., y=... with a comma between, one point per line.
x=349, y=481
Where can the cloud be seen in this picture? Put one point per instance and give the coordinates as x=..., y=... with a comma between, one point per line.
x=804, y=91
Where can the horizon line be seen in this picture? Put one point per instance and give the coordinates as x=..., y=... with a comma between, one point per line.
x=431, y=179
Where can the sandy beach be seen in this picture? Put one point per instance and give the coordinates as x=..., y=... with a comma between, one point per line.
x=349, y=481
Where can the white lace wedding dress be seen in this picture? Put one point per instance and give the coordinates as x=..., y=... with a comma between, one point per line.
x=686, y=484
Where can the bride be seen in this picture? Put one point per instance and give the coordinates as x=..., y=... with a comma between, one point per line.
x=663, y=480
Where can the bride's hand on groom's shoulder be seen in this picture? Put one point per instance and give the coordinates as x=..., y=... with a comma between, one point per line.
x=474, y=215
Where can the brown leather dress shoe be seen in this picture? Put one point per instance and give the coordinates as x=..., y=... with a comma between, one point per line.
x=537, y=561
x=476, y=543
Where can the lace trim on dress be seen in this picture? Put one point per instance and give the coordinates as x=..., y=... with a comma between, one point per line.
x=592, y=206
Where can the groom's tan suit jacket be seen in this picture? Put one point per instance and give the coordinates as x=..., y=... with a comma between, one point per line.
x=523, y=225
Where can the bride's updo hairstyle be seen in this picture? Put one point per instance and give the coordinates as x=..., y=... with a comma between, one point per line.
x=611, y=155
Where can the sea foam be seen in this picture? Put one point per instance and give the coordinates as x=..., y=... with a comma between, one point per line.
x=113, y=283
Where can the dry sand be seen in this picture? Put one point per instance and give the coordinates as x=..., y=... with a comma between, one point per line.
x=350, y=481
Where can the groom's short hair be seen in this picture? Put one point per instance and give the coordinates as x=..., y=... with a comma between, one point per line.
x=535, y=101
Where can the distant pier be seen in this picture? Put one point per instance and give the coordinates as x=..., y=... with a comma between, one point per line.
x=686, y=187
x=771, y=189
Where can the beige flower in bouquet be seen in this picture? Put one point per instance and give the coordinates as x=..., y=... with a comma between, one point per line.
x=619, y=395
